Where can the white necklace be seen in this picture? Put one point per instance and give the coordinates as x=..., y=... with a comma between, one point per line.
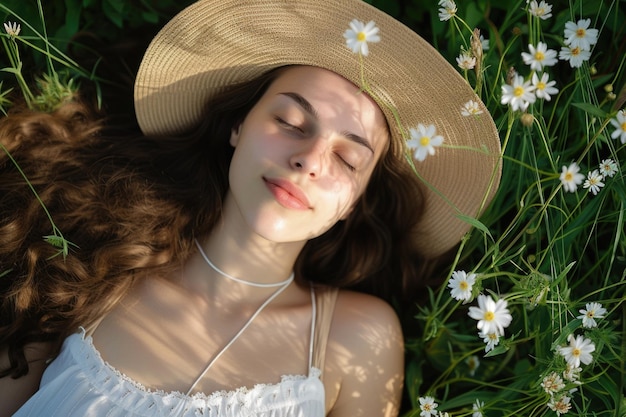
x=283, y=286
x=239, y=280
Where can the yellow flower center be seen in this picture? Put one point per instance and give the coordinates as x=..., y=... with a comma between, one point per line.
x=489, y=316
x=569, y=176
x=518, y=91
x=590, y=314
x=623, y=126
x=427, y=407
x=463, y=285
x=541, y=85
x=360, y=36
x=539, y=56
x=424, y=141
x=581, y=33
x=575, y=352
x=575, y=51
x=541, y=11
x=493, y=336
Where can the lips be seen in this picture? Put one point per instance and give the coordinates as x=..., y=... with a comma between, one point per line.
x=287, y=194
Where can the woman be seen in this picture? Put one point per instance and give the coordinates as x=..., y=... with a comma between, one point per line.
x=272, y=152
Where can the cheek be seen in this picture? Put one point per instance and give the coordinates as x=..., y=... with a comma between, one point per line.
x=341, y=196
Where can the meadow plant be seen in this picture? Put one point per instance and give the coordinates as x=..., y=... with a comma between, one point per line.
x=531, y=319
x=52, y=88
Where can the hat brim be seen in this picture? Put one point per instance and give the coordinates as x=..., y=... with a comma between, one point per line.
x=215, y=43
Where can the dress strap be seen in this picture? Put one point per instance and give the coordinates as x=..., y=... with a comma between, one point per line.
x=323, y=308
x=245, y=326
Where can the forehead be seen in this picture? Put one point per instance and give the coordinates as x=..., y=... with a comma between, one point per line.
x=334, y=99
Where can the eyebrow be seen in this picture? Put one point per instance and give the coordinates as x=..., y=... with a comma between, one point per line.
x=307, y=107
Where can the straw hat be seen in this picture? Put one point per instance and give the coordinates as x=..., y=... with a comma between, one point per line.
x=214, y=43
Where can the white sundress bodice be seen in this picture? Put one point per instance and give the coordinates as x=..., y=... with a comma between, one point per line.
x=79, y=383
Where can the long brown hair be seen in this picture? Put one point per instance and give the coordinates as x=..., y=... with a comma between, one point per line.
x=133, y=205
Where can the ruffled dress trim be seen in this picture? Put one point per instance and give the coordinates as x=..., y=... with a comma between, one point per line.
x=80, y=383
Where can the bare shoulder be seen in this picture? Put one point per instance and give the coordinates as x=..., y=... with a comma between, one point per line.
x=365, y=317
x=365, y=357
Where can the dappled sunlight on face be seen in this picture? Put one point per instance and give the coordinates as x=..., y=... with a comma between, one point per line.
x=304, y=154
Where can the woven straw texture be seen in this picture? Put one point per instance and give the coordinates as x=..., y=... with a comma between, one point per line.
x=214, y=43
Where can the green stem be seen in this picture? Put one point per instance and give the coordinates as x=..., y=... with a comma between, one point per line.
x=55, y=229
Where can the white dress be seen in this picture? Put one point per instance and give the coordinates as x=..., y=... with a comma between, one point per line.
x=79, y=383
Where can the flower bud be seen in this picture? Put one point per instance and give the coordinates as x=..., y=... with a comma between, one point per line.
x=527, y=119
x=510, y=74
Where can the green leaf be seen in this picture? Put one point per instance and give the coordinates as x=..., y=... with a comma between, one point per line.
x=111, y=10
x=591, y=109
x=498, y=350
x=11, y=70
x=475, y=223
x=414, y=380
x=150, y=16
x=565, y=332
x=56, y=241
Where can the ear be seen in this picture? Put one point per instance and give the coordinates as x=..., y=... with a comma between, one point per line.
x=234, y=135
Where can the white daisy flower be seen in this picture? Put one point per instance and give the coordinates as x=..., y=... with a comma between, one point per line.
x=579, y=350
x=12, y=29
x=594, y=183
x=471, y=108
x=519, y=95
x=359, y=35
x=552, y=383
x=620, y=126
x=428, y=406
x=580, y=35
x=572, y=374
x=423, y=141
x=472, y=362
x=466, y=61
x=608, y=168
x=490, y=340
x=590, y=313
x=575, y=55
x=461, y=285
x=477, y=408
x=484, y=43
x=539, y=57
x=561, y=405
x=447, y=9
x=544, y=88
x=542, y=10
x=571, y=178
x=492, y=316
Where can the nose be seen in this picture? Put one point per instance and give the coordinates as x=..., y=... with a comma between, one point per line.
x=309, y=157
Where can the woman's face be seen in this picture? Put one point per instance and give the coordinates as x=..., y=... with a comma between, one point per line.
x=304, y=154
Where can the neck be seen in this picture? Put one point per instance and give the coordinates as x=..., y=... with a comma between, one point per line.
x=241, y=280
x=237, y=251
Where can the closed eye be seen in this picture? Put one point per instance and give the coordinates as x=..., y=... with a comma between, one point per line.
x=346, y=163
x=287, y=125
